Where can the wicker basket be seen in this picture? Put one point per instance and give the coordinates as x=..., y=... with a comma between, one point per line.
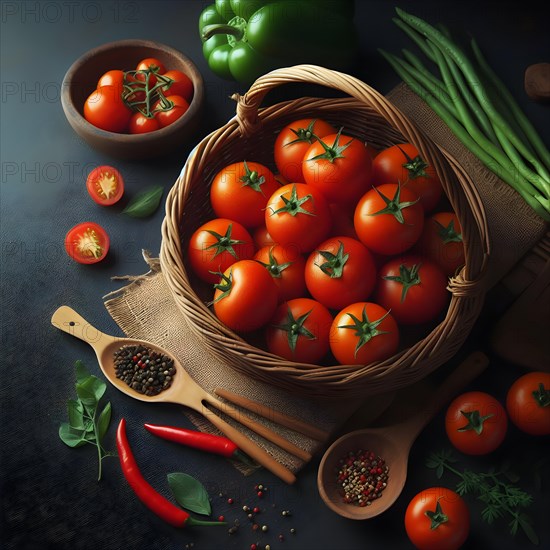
x=365, y=114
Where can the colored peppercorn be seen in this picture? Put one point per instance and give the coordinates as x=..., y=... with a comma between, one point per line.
x=361, y=477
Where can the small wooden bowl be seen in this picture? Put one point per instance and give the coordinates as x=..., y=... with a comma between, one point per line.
x=81, y=79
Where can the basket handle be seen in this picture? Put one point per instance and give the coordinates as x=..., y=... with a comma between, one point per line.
x=249, y=104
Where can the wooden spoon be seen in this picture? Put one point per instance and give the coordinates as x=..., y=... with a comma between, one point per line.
x=392, y=443
x=184, y=391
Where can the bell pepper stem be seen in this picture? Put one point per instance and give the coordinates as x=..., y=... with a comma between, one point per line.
x=210, y=30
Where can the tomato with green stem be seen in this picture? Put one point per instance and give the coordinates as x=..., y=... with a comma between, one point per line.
x=105, y=109
x=299, y=331
x=441, y=241
x=402, y=163
x=298, y=214
x=437, y=519
x=217, y=244
x=292, y=143
x=339, y=272
x=363, y=333
x=105, y=185
x=87, y=243
x=339, y=166
x=169, y=109
x=240, y=191
x=150, y=66
x=413, y=288
x=528, y=403
x=476, y=423
x=389, y=219
x=245, y=296
x=286, y=265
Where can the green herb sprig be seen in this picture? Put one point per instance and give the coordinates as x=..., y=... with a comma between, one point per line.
x=491, y=488
x=87, y=424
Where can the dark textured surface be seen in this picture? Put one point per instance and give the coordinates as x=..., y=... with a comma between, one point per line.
x=49, y=494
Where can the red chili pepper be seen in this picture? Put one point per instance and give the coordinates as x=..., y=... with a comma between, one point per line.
x=199, y=440
x=157, y=503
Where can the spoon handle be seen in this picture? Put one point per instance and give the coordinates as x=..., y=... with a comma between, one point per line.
x=251, y=449
x=273, y=415
x=260, y=429
x=69, y=321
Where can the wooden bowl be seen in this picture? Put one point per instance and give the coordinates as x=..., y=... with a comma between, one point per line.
x=81, y=79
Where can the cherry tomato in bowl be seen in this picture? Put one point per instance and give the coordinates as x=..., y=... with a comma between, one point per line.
x=106, y=109
x=87, y=243
x=105, y=185
x=476, y=423
x=181, y=84
x=167, y=116
x=528, y=403
x=437, y=519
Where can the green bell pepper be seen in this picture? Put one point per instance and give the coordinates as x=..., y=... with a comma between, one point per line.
x=243, y=39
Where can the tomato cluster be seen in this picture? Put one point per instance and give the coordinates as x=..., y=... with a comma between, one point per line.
x=139, y=101
x=349, y=237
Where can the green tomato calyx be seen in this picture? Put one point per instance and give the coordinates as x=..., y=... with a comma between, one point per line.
x=334, y=151
x=295, y=328
x=274, y=267
x=448, y=234
x=438, y=517
x=416, y=167
x=252, y=179
x=365, y=329
x=407, y=277
x=542, y=396
x=394, y=206
x=303, y=134
x=293, y=205
x=224, y=243
x=475, y=421
x=334, y=264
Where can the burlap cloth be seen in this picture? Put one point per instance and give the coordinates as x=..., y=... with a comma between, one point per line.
x=145, y=308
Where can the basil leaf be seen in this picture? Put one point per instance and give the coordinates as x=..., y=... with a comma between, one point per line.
x=103, y=421
x=90, y=391
x=189, y=493
x=81, y=371
x=76, y=413
x=145, y=204
x=72, y=437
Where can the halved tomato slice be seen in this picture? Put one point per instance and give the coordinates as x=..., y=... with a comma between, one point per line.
x=87, y=243
x=105, y=185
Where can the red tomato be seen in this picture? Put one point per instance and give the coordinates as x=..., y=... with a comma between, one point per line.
x=389, y=219
x=245, y=297
x=141, y=124
x=262, y=237
x=403, y=164
x=165, y=117
x=363, y=333
x=286, y=265
x=339, y=166
x=87, y=243
x=240, y=192
x=299, y=331
x=217, y=244
x=292, y=143
x=441, y=241
x=105, y=109
x=297, y=214
x=528, y=403
x=105, y=185
x=114, y=78
x=339, y=272
x=476, y=423
x=181, y=84
x=150, y=66
x=342, y=221
x=413, y=288
x=437, y=519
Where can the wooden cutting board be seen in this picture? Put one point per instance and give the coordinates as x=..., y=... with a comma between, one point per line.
x=522, y=336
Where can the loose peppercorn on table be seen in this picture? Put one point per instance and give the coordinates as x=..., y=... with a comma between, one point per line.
x=51, y=497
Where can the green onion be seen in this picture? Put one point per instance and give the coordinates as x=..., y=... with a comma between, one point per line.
x=479, y=110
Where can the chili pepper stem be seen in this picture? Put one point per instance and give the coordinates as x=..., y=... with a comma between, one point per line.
x=191, y=521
